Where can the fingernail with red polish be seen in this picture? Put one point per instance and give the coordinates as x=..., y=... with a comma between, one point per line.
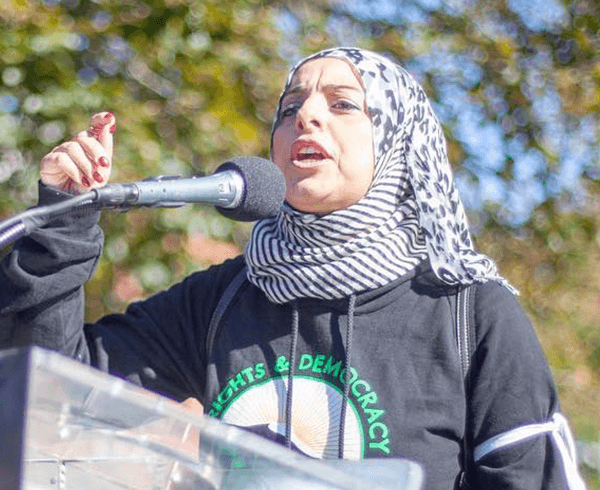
x=103, y=162
x=85, y=182
x=113, y=128
x=98, y=177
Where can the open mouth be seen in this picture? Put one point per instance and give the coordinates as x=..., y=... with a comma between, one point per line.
x=303, y=151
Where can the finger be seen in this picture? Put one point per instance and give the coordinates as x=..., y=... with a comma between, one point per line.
x=60, y=171
x=193, y=405
x=96, y=153
x=76, y=153
x=103, y=126
x=73, y=171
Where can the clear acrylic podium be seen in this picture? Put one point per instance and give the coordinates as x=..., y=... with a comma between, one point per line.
x=66, y=426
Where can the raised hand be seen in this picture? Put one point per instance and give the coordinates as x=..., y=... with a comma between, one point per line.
x=85, y=162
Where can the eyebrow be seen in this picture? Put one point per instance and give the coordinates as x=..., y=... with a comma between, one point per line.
x=331, y=87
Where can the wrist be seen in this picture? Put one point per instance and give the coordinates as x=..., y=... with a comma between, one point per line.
x=50, y=195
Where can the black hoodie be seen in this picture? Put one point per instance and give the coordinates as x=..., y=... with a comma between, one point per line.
x=405, y=390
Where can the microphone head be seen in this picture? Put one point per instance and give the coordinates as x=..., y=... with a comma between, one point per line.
x=264, y=188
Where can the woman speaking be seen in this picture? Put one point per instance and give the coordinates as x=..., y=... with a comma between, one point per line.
x=342, y=339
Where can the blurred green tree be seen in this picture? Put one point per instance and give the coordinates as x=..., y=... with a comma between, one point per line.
x=190, y=82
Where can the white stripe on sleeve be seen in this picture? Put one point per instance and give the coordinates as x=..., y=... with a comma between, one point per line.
x=557, y=428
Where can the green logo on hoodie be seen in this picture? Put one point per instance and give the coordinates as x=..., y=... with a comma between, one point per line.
x=254, y=397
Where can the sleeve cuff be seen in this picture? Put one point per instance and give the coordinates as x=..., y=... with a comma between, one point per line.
x=49, y=195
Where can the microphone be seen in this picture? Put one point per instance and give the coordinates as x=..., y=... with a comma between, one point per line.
x=242, y=188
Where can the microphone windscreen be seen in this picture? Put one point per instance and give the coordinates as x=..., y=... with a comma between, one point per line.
x=264, y=188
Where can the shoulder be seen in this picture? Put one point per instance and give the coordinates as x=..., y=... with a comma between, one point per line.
x=493, y=299
x=502, y=324
x=218, y=276
x=492, y=304
x=205, y=287
x=198, y=294
x=495, y=303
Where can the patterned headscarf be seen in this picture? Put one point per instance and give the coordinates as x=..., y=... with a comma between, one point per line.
x=411, y=212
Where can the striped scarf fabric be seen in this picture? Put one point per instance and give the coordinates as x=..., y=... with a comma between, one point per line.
x=411, y=212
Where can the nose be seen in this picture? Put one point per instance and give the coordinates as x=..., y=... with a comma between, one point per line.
x=310, y=114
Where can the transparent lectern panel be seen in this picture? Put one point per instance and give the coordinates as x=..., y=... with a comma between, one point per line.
x=87, y=429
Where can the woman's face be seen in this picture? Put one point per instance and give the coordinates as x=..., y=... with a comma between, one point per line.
x=323, y=143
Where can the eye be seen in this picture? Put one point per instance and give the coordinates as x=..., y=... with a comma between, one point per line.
x=345, y=105
x=289, y=110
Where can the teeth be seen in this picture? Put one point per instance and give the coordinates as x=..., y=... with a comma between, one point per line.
x=308, y=150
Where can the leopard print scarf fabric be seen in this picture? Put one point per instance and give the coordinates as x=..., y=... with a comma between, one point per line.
x=411, y=213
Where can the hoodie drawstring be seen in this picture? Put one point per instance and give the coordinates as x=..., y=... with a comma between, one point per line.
x=347, y=360
x=289, y=395
x=347, y=374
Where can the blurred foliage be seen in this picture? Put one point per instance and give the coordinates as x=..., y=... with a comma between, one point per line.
x=191, y=83
x=516, y=84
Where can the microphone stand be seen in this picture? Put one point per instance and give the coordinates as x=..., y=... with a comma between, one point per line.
x=28, y=221
x=115, y=196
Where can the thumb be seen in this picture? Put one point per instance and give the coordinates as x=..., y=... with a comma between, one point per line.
x=102, y=127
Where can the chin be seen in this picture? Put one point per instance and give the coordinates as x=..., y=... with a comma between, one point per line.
x=318, y=206
x=314, y=206
x=306, y=209
x=309, y=199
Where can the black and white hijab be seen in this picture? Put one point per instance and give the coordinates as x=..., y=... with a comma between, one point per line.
x=412, y=211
